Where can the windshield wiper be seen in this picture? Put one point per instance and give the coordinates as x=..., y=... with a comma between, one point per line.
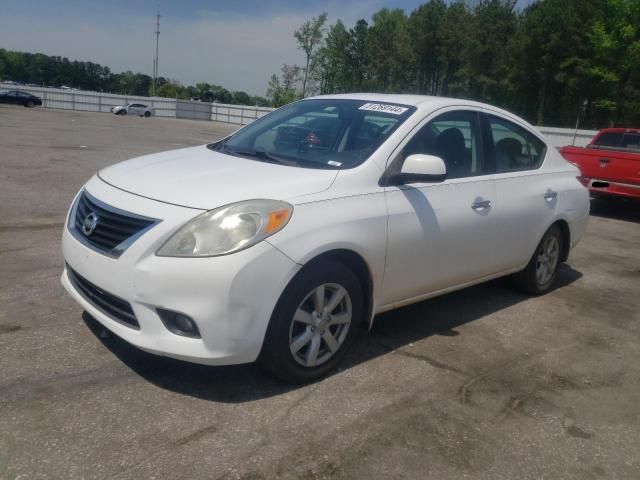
x=260, y=154
x=265, y=156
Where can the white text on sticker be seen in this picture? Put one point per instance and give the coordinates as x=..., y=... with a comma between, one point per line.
x=379, y=107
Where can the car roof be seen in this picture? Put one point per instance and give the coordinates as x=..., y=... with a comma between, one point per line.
x=619, y=130
x=404, y=99
x=424, y=101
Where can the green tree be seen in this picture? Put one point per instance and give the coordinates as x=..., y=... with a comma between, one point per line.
x=241, y=98
x=283, y=90
x=358, y=54
x=389, y=53
x=485, y=63
x=335, y=58
x=308, y=37
x=615, y=66
x=169, y=90
x=428, y=29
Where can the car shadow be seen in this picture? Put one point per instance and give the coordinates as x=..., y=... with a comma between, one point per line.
x=391, y=331
x=617, y=209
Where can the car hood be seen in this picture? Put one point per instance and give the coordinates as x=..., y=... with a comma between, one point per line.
x=198, y=177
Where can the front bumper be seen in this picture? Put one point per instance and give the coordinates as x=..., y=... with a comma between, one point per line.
x=230, y=298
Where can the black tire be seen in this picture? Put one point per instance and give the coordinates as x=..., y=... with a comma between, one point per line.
x=123, y=112
x=147, y=114
x=528, y=280
x=30, y=104
x=276, y=355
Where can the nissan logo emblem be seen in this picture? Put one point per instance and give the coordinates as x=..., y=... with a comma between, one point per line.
x=90, y=223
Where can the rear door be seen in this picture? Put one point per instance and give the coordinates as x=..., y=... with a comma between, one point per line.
x=527, y=195
x=441, y=234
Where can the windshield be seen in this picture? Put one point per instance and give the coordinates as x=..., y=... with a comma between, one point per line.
x=334, y=134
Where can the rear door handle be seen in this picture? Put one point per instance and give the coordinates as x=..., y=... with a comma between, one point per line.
x=481, y=204
x=550, y=195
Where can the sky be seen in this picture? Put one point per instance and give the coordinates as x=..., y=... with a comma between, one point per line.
x=237, y=44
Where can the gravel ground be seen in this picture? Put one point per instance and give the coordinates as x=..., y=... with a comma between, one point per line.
x=484, y=383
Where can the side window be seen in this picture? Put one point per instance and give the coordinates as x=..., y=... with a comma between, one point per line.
x=514, y=148
x=631, y=141
x=454, y=137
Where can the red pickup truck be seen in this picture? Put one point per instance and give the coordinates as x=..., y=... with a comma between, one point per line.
x=610, y=164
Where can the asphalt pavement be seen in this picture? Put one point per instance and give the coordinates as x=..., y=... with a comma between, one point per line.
x=484, y=383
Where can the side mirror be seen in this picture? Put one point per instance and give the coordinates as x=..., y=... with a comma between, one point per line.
x=420, y=168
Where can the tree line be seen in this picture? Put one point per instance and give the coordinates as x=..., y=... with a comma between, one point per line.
x=547, y=62
x=44, y=70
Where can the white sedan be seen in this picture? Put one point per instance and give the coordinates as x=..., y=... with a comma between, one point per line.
x=139, y=109
x=280, y=242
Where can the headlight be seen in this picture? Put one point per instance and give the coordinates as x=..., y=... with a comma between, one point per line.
x=228, y=229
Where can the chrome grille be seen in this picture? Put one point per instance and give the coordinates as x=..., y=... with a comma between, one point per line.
x=105, y=228
x=115, y=307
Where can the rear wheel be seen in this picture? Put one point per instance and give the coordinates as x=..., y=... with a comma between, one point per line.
x=314, y=323
x=147, y=114
x=538, y=276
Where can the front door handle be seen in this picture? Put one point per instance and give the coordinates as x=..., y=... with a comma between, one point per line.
x=481, y=204
x=550, y=195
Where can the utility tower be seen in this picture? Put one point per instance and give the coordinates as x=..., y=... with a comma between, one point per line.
x=155, y=60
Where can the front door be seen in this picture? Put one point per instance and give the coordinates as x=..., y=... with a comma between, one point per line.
x=441, y=235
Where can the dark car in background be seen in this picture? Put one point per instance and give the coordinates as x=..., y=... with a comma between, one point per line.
x=18, y=97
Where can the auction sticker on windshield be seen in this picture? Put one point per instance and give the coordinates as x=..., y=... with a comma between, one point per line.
x=380, y=107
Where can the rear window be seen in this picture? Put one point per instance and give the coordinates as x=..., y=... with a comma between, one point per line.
x=609, y=139
x=617, y=141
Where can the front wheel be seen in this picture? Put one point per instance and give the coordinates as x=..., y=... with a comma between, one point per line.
x=538, y=276
x=29, y=104
x=314, y=323
x=147, y=114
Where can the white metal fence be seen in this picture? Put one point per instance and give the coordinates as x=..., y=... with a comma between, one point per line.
x=559, y=137
x=163, y=107
x=234, y=114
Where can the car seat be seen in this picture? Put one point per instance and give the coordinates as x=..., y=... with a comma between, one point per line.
x=508, y=154
x=450, y=146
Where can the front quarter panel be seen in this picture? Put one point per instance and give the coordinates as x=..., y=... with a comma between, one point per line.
x=357, y=223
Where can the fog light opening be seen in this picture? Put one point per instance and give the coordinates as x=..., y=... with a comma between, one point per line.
x=179, y=323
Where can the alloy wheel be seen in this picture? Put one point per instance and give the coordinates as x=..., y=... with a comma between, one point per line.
x=320, y=324
x=547, y=261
